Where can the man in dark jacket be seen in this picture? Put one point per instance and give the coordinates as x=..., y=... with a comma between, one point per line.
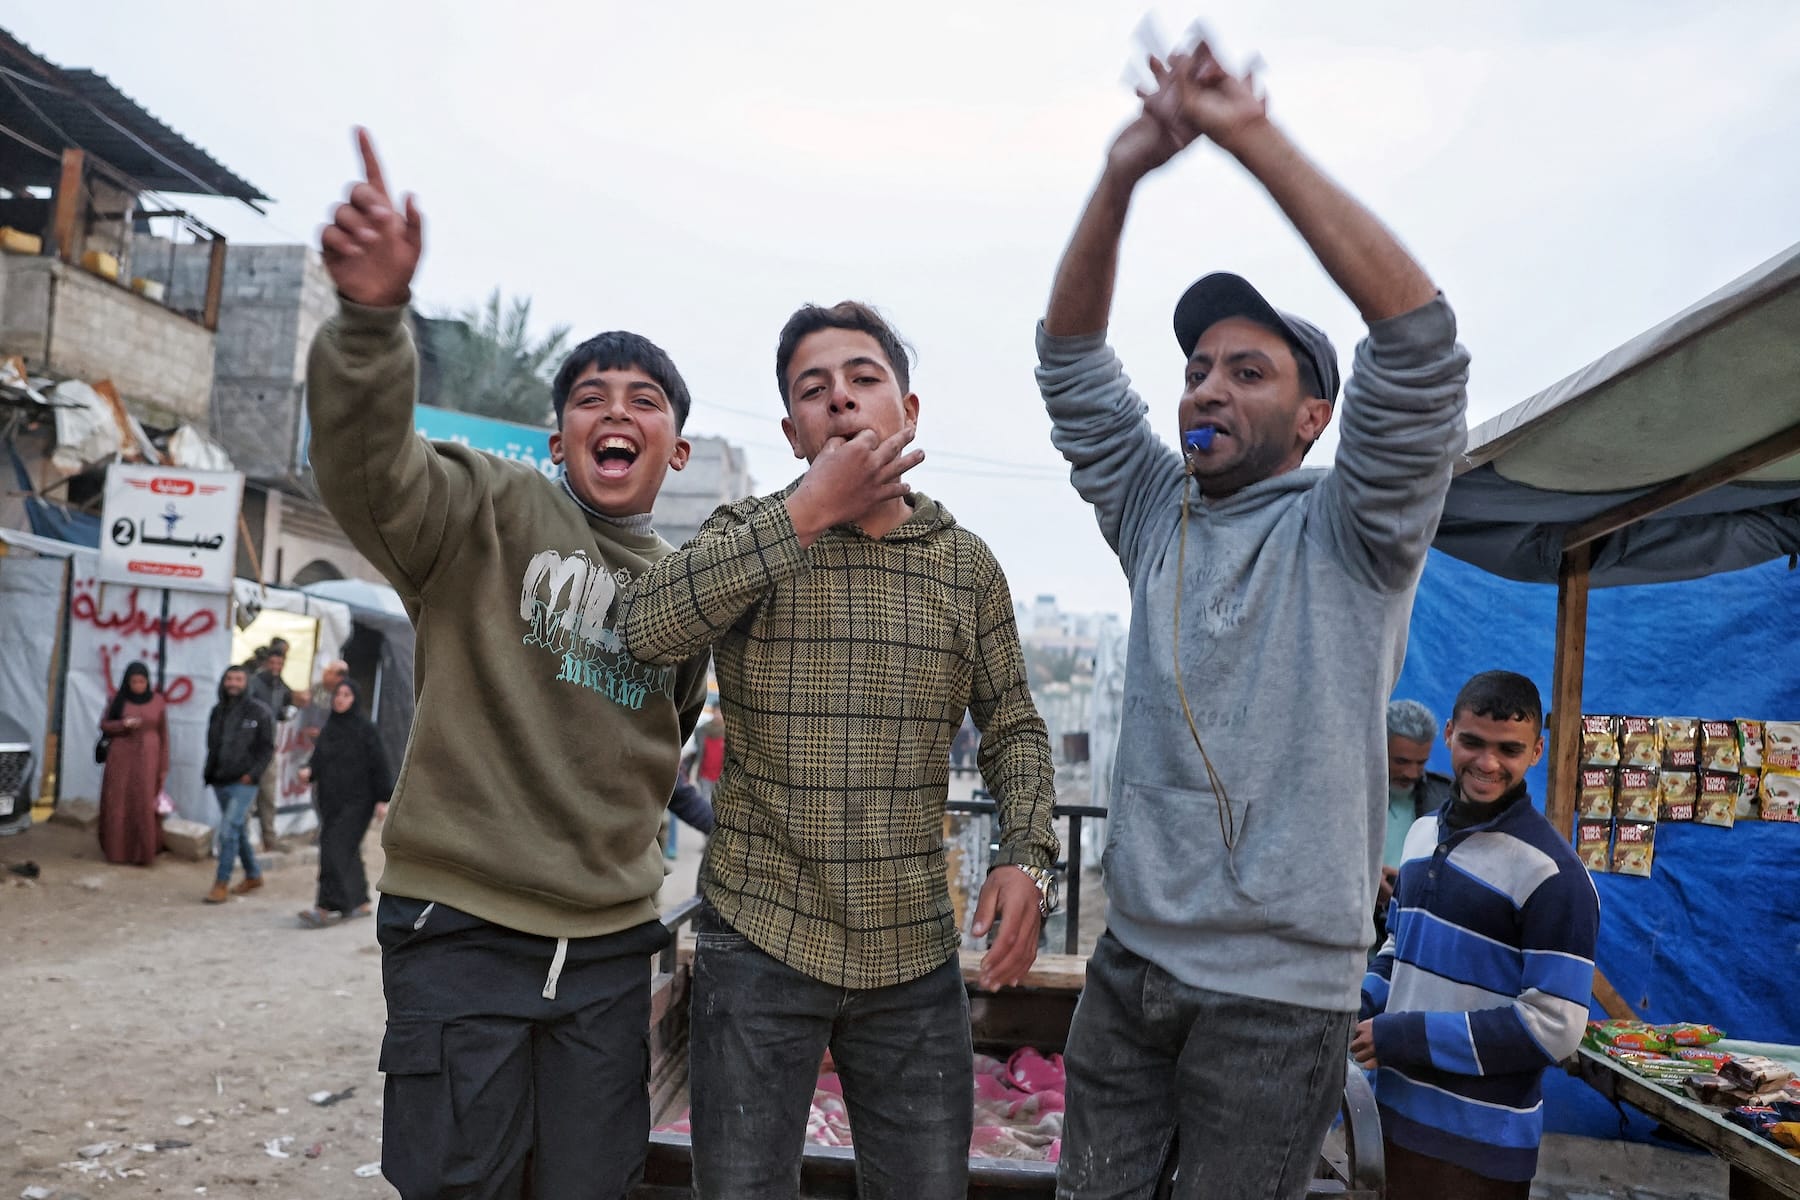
x=267, y=685
x=240, y=743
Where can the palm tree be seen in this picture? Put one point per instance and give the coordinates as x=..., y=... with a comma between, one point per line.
x=484, y=360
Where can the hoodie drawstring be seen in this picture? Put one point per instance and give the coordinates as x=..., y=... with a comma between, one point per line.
x=556, y=966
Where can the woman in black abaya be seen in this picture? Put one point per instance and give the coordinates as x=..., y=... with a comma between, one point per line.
x=350, y=776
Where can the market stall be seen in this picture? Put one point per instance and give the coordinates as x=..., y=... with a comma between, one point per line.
x=1665, y=480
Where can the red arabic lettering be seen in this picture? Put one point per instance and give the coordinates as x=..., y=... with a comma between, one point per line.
x=179, y=690
x=135, y=621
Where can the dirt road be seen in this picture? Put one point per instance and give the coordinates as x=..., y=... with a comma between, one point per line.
x=132, y=1015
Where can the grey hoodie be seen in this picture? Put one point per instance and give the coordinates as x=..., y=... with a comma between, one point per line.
x=1293, y=627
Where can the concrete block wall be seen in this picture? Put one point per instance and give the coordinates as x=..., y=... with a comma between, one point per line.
x=716, y=474
x=67, y=322
x=258, y=423
x=25, y=308
x=272, y=301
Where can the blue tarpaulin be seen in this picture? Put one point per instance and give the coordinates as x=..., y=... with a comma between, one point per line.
x=1714, y=934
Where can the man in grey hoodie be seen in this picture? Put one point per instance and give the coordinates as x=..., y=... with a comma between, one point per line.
x=1269, y=616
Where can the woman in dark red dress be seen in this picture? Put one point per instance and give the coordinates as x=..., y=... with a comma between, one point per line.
x=137, y=766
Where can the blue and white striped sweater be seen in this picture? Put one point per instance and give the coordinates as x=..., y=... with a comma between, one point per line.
x=1483, y=982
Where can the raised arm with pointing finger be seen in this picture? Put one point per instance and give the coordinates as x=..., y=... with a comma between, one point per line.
x=518, y=897
x=1268, y=601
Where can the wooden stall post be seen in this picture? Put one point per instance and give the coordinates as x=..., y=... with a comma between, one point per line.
x=1565, y=687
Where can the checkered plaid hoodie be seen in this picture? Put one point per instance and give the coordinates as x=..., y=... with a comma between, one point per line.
x=844, y=670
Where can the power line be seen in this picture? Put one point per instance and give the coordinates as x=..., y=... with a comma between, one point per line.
x=988, y=462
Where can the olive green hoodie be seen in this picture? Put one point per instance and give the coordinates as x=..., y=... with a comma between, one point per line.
x=542, y=755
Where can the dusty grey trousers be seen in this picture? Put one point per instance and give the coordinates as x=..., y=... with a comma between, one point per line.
x=1240, y=1092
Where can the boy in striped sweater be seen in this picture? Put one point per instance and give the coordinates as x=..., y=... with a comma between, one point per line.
x=1489, y=961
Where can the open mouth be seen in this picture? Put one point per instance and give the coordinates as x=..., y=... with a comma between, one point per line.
x=614, y=457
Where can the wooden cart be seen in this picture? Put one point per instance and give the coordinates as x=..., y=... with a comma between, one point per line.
x=1037, y=1014
x=1760, y=1170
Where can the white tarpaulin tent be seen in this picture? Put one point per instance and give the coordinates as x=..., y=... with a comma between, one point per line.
x=112, y=625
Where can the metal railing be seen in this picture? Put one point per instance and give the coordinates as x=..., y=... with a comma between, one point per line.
x=1069, y=866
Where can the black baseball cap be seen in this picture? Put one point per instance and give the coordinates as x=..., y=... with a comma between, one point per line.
x=1213, y=298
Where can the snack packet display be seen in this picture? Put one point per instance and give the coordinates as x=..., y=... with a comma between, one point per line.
x=1599, y=741
x=1780, y=796
x=1707, y=1089
x=1625, y=1035
x=1719, y=746
x=1750, y=742
x=1680, y=743
x=1718, y=799
x=1758, y=1119
x=1686, y=1034
x=1699, y=1057
x=1634, y=847
x=1755, y=1073
x=1749, y=801
x=1639, y=745
x=1594, y=800
x=1675, y=794
x=1637, y=794
x=1781, y=746
x=1593, y=845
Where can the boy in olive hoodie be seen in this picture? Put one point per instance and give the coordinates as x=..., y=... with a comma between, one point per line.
x=518, y=915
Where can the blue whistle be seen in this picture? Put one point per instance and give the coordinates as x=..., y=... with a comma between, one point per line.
x=1199, y=439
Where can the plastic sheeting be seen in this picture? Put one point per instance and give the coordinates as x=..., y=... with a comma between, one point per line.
x=31, y=603
x=1516, y=531
x=91, y=426
x=380, y=654
x=1712, y=935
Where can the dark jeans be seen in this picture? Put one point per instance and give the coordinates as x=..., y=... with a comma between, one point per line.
x=1415, y=1176
x=496, y=1091
x=1245, y=1089
x=759, y=1030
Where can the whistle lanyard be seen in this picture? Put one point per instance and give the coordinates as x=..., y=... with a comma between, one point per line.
x=1227, y=823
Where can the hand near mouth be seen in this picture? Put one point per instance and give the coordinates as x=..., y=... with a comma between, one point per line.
x=849, y=478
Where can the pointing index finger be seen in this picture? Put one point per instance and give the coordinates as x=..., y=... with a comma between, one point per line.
x=371, y=164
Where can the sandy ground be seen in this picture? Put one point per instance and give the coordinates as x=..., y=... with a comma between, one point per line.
x=133, y=1015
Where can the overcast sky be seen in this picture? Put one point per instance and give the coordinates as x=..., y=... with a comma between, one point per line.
x=1570, y=174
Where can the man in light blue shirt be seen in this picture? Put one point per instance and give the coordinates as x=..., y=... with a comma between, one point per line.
x=1413, y=792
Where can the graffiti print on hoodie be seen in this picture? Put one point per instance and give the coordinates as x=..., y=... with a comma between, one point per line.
x=567, y=605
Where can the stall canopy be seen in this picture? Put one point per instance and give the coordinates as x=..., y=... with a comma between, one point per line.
x=1717, y=380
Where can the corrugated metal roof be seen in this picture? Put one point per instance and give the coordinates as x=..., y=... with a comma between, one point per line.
x=58, y=108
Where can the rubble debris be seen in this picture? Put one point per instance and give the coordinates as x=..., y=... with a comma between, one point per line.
x=367, y=1170
x=327, y=1099
x=276, y=1147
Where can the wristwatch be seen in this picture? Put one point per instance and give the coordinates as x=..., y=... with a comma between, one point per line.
x=1046, y=886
